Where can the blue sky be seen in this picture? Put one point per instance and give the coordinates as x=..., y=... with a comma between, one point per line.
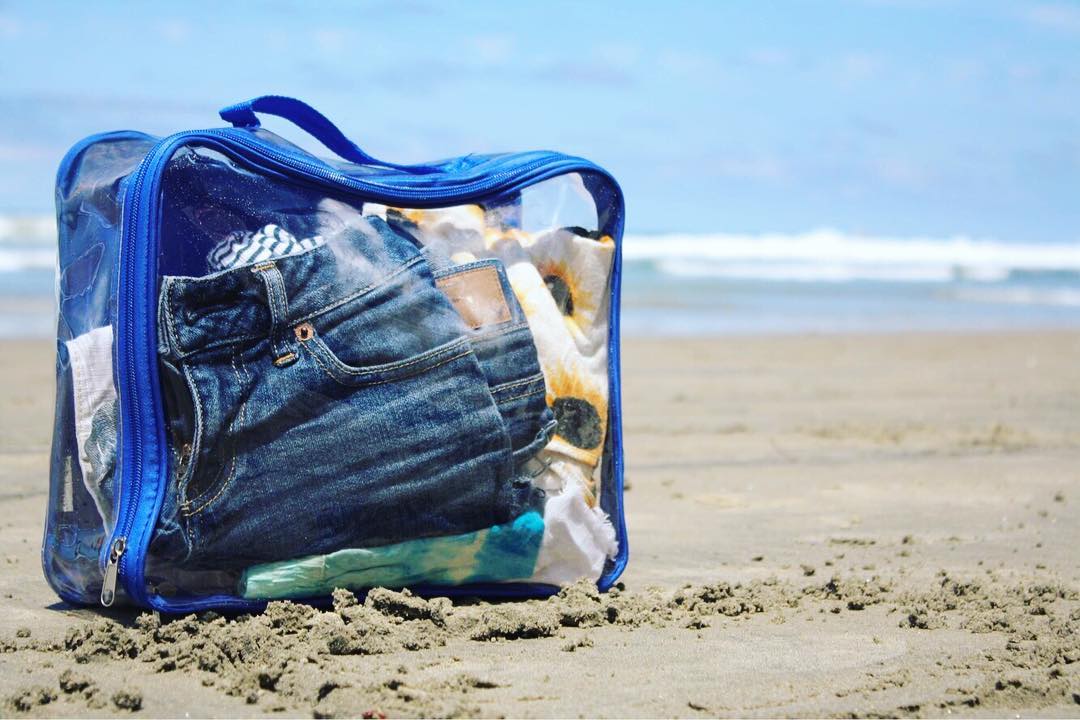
x=896, y=118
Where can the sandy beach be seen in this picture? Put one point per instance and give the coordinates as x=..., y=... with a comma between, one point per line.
x=875, y=525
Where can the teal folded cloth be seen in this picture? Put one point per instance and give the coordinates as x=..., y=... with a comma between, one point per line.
x=497, y=554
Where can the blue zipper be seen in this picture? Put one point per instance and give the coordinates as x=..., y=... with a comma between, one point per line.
x=142, y=421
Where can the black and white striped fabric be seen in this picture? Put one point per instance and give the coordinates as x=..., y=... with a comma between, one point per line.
x=242, y=248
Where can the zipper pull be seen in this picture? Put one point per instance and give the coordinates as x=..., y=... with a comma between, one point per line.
x=182, y=461
x=108, y=585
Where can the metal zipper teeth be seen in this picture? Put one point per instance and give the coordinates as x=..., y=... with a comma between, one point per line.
x=378, y=190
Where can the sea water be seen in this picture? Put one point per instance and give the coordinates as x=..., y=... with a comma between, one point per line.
x=827, y=281
x=708, y=284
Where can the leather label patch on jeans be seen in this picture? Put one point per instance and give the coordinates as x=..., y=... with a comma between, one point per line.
x=477, y=295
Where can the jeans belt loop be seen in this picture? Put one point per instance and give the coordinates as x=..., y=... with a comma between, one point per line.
x=278, y=302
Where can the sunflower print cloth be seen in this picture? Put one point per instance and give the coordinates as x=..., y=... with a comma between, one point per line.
x=578, y=539
x=575, y=265
x=560, y=277
x=577, y=393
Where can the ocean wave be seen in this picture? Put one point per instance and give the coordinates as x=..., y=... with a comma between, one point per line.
x=1057, y=297
x=29, y=230
x=26, y=258
x=826, y=272
x=831, y=256
x=27, y=242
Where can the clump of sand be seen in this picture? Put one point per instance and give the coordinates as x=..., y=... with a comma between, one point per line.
x=285, y=656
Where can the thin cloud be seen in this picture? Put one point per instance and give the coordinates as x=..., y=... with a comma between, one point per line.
x=770, y=57
x=1054, y=16
x=900, y=172
x=10, y=27
x=856, y=67
x=491, y=49
x=22, y=152
x=757, y=166
x=684, y=63
x=585, y=72
x=331, y=41
x=175, y=31
x=134, y=104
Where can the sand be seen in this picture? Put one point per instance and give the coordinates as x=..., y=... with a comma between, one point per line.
x=855, y=526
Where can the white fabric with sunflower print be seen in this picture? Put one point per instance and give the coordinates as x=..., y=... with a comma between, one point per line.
x=562, y=286
x=560, y=277
x=560, y=293
x=578, y=539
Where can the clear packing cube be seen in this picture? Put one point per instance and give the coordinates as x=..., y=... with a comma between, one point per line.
x=279, y=374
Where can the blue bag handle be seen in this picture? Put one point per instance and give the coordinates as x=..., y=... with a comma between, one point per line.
x=242, y=114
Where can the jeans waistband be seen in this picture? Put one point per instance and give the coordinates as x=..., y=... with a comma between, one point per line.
x=200, y=313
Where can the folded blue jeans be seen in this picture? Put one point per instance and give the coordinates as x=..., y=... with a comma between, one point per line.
x=343, y=397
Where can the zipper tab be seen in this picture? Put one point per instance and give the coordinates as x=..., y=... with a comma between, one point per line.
x=182, y=461
x=108, y=586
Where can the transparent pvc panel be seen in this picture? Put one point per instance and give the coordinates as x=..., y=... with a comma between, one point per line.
x=89, y=195
x=360, y=395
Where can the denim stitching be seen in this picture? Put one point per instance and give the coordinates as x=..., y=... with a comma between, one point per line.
x=284, y=297
x=278, y=302
x=167, y=300
x=223, y=342
x=513, y=384
x=380, y=282
x=501, y=331
x=197, y=436
x=428, y=356
x=232, y=470
x=271, y=303
x=170, y=301
x=537, y=391
x=275, y=290
x=388, y=367
x=228, y=480
x=468, y=267
x=330, y=373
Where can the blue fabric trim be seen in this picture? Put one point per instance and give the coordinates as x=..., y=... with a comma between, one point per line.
x=612, y=573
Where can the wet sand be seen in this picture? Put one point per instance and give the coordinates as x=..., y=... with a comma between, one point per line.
x=863, y=525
